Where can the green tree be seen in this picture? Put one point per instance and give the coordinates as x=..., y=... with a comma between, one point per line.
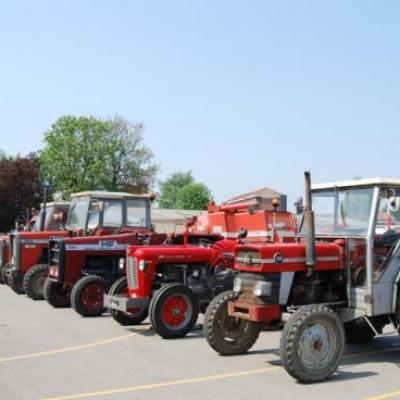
x=88, y=153
x=171, y=186
x=194, y=196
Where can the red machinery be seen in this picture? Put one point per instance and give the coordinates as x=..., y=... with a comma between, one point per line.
x=345, y=282
x=91, y=213
x=174, y=283
x=29, y=248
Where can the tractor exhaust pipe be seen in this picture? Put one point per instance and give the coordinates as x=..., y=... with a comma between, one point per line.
x=309, y=226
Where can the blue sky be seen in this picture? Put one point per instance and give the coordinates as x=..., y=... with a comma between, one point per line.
x=245, y=94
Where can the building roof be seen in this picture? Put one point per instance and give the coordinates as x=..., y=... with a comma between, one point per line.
x=358, y=183
x=265, y=192
x=109, y=195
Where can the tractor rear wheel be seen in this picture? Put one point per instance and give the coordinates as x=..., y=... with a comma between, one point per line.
x=87, y=296
x=3, y=270
x=56, y=294
x=34, y=280
x=173, y=311
x=120, y=286
x=15, y=285
x=312, y=344
x=225, y=334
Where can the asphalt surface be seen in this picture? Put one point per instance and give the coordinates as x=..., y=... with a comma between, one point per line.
x=48, y=353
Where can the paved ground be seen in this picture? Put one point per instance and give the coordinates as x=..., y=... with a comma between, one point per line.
x=55, y=354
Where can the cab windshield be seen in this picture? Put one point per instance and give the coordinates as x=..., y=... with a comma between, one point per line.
x=77, y=215
x=342, y=212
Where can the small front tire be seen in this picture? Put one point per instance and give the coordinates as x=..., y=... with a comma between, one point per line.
x=225, y=334
x=173, y=311
x=120, y=287
x=34, y=280
x=56, y=294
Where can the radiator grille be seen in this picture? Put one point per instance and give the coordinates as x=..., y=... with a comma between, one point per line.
x=131, y=272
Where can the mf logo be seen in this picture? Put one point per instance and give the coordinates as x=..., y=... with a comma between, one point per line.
x=108, y=244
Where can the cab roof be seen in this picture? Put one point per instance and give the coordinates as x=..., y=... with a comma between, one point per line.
x=370, y=182
x=109, y=195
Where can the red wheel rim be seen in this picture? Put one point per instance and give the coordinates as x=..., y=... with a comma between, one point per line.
x=176, y=311
x=92, y=296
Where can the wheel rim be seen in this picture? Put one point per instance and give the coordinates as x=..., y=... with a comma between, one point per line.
x=176, y=311
x=92, y=296
x=230, y=329
x=317, y=345
x=38, y=282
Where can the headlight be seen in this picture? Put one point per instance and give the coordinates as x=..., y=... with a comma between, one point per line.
x=121, y=264
x=237, y=285
x=262, y=289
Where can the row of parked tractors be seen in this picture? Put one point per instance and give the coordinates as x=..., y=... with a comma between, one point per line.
x=336, y=274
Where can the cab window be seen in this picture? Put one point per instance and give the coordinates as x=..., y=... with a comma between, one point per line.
x=112, y=213
x=137, y=213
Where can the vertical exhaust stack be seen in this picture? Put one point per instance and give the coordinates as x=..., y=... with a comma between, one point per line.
x=309, y=226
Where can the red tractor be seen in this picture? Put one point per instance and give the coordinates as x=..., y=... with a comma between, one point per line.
x=340, y=279
x=82, y=268
x=34, y=224
x=28, y=250
x=173, y=283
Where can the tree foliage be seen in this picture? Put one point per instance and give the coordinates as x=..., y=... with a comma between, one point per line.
x=88, y=153
x=194, y=196
x=170, y=187
x=181, y=191
x=20, y=188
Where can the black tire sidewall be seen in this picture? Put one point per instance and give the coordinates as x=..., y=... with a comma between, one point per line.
x=156, y=307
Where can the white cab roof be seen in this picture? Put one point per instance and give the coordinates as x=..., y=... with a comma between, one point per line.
x=387, y=182
x=109, y=195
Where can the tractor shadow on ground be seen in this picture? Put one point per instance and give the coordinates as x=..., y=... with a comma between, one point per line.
x=195, y=333
x=383, y=349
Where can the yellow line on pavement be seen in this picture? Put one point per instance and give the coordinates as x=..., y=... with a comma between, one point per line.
x=166, y=384
x=386, y=396
x=67, y=349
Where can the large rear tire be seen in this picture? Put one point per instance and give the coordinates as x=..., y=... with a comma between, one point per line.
x=119, y=287
x=173, y=311
x=87, y=296
x=56, y=294
x=225, y=334
x=312, y=344
x=34, y=280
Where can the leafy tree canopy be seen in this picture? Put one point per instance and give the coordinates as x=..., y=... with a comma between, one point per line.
x=88, y=153
x=181, y=191
x=195, y=196
x=170, y=187
x=20, y=189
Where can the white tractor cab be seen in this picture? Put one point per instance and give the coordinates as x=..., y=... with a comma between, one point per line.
x=97, y=212
x=363, y=218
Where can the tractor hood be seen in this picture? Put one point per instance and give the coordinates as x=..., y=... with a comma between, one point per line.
x=277, y=257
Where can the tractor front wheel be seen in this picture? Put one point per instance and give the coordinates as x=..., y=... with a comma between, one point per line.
x=312, y=344
x=173, y=311
x=34, y=280
x=56, y=294
x=225, y=334
x=120, y=287
x=87, y=296
x=15, y=284
x=3, y=271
